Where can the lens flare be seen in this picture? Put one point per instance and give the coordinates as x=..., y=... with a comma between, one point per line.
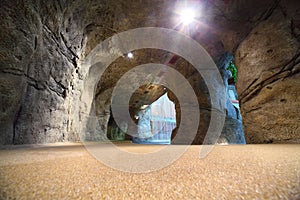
x=187, y=16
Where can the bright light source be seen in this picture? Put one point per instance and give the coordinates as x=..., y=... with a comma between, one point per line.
x=187, y=16
x=130, y=55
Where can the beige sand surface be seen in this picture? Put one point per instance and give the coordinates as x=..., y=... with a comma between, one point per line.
x=68, y=171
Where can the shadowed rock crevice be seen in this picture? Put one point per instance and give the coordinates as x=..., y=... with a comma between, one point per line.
x=263, y=81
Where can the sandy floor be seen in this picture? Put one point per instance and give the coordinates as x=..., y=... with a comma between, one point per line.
x=228, y=172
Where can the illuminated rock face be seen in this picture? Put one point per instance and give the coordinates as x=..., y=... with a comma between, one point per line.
x=42, y=81
x=269, y=81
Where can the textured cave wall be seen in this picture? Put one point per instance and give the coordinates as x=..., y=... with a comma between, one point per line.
x=41, y=42
x=264, y=37
x=36, y=61
x=42, y=82
x=269, y=80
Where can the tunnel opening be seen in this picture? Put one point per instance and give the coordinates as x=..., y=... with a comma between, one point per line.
x=103, y=122
x=147, y=95
x=152, y=112
x=156, y=122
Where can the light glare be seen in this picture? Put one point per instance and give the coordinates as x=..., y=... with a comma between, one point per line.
x=187, y=16
x=130, y=55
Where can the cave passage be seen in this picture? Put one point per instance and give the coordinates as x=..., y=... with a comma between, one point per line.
x=91, y=106
x=156, y=122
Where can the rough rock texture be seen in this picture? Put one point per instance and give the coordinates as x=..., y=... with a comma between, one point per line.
x=37, y=63
x=44, y=87
x=40, y=45
x=269, y=81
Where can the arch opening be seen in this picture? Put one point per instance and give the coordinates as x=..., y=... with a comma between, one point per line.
x=156, y=121
x=99, y=59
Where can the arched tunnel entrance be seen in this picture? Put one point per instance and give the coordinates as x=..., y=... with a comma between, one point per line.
x=159, y=120
x=102, y=125
x=153, y=113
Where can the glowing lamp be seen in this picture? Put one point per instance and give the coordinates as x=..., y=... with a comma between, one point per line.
x=130, y=55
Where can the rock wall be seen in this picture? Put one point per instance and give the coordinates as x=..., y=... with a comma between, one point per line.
x=269, y=80
x=37, y=63
x=41, y=82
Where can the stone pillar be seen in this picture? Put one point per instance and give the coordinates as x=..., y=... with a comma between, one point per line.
x=233, y=132
x=144, y=126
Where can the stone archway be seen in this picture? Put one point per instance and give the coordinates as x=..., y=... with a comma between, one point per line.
x=101, y=57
